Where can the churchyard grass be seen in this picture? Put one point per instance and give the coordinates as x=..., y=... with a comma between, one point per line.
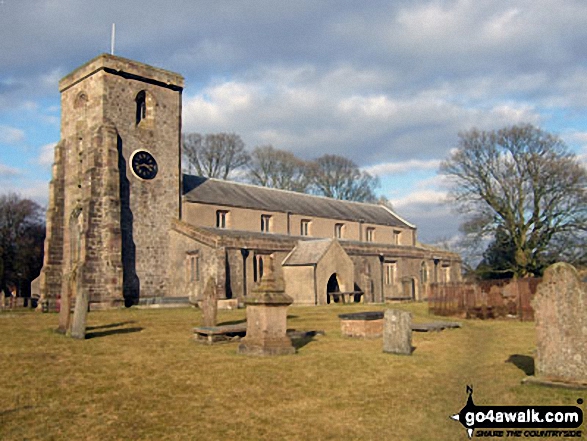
x=140, y=375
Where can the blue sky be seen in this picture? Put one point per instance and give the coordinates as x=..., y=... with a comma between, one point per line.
x=388, y=84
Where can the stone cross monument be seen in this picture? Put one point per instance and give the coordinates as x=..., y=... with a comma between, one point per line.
x=267, y=318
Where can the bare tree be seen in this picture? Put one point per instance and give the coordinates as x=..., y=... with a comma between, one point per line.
x=214, y=155
x=340, y=178
x=274, y=168
x=523, y=182
x=22, y=234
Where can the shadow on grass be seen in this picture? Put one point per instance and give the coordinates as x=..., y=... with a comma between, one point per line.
x=112, y=332
x=18, y=409
x=299, y=339
x=112, y=325
x=523, y=362
x=232, y=322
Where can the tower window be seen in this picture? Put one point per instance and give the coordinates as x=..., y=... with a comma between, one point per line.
x=338, y=229
x=141, y=101
x=370, y=236
x=80, y=101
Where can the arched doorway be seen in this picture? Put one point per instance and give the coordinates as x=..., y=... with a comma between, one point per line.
x=332, y=287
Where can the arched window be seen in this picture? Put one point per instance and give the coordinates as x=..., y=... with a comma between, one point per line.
x=141, y=101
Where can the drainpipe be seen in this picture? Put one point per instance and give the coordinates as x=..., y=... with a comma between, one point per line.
x=245, y=254
x=361, y=222
x=288, y=214
x=315, y=286
x=381, y=260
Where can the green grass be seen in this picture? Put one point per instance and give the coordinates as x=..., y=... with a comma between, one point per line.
x=143, y=377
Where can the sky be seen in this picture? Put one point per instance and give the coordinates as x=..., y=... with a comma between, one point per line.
x=388, y=84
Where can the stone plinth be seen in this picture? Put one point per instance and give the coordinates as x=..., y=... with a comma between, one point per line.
x=560, y=309
x=397, y=332
x=362, y=324
x=267, y=319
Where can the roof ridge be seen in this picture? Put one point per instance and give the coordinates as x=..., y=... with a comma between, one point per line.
x=246, y=184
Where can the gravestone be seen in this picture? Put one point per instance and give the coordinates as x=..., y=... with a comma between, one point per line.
x=65, y=303
x=209, y=304
x=267, y=318
x=397, y=332
x=80, y=314
x=560, y=310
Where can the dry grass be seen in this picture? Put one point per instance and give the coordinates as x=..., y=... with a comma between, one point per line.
x=142, y=376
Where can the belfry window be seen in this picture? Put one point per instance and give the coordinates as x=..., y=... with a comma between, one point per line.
x=141, y=101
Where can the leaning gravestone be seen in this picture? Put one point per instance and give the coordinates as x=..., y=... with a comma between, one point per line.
x=65, y=303
x=80, y=314
x=209, y=304
x=560, y=309
x=397, y=332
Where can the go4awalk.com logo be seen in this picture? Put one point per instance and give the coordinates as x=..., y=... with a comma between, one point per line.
x=520, y=421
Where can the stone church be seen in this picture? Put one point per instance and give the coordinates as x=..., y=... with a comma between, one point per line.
x=125, y=225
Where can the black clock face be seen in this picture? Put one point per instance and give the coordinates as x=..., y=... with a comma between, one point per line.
x=144, y=165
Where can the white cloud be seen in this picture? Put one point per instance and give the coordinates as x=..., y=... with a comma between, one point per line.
x=425, y=196
x=11, y=135
x=7, y=172
x=46, y=154
x=390, y=168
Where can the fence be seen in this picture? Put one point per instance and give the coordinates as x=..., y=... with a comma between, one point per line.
x=489, y=299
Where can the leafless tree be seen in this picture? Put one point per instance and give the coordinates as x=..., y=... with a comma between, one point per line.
x=214, y=155
x=524, y=182
x=274, y=168
x=340, y=178
x=22, y=234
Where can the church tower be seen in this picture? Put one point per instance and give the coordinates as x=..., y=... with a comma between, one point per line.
x=115, y=185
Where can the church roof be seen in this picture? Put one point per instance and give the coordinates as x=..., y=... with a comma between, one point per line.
x=307, y=252
x=235, y=194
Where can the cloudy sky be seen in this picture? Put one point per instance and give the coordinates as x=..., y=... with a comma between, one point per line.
x=388, y=84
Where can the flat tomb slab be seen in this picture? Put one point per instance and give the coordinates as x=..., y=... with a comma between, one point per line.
x=227, y=333
x=217, y=334
x=370, y=325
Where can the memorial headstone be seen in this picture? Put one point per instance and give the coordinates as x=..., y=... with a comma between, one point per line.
x=397, y=332
x=209, y=304
x=560, y=309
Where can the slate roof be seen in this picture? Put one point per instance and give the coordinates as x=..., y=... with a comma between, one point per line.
x=235, y=194
x=307, y=252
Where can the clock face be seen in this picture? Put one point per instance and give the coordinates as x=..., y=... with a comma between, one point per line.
x=144, y=165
